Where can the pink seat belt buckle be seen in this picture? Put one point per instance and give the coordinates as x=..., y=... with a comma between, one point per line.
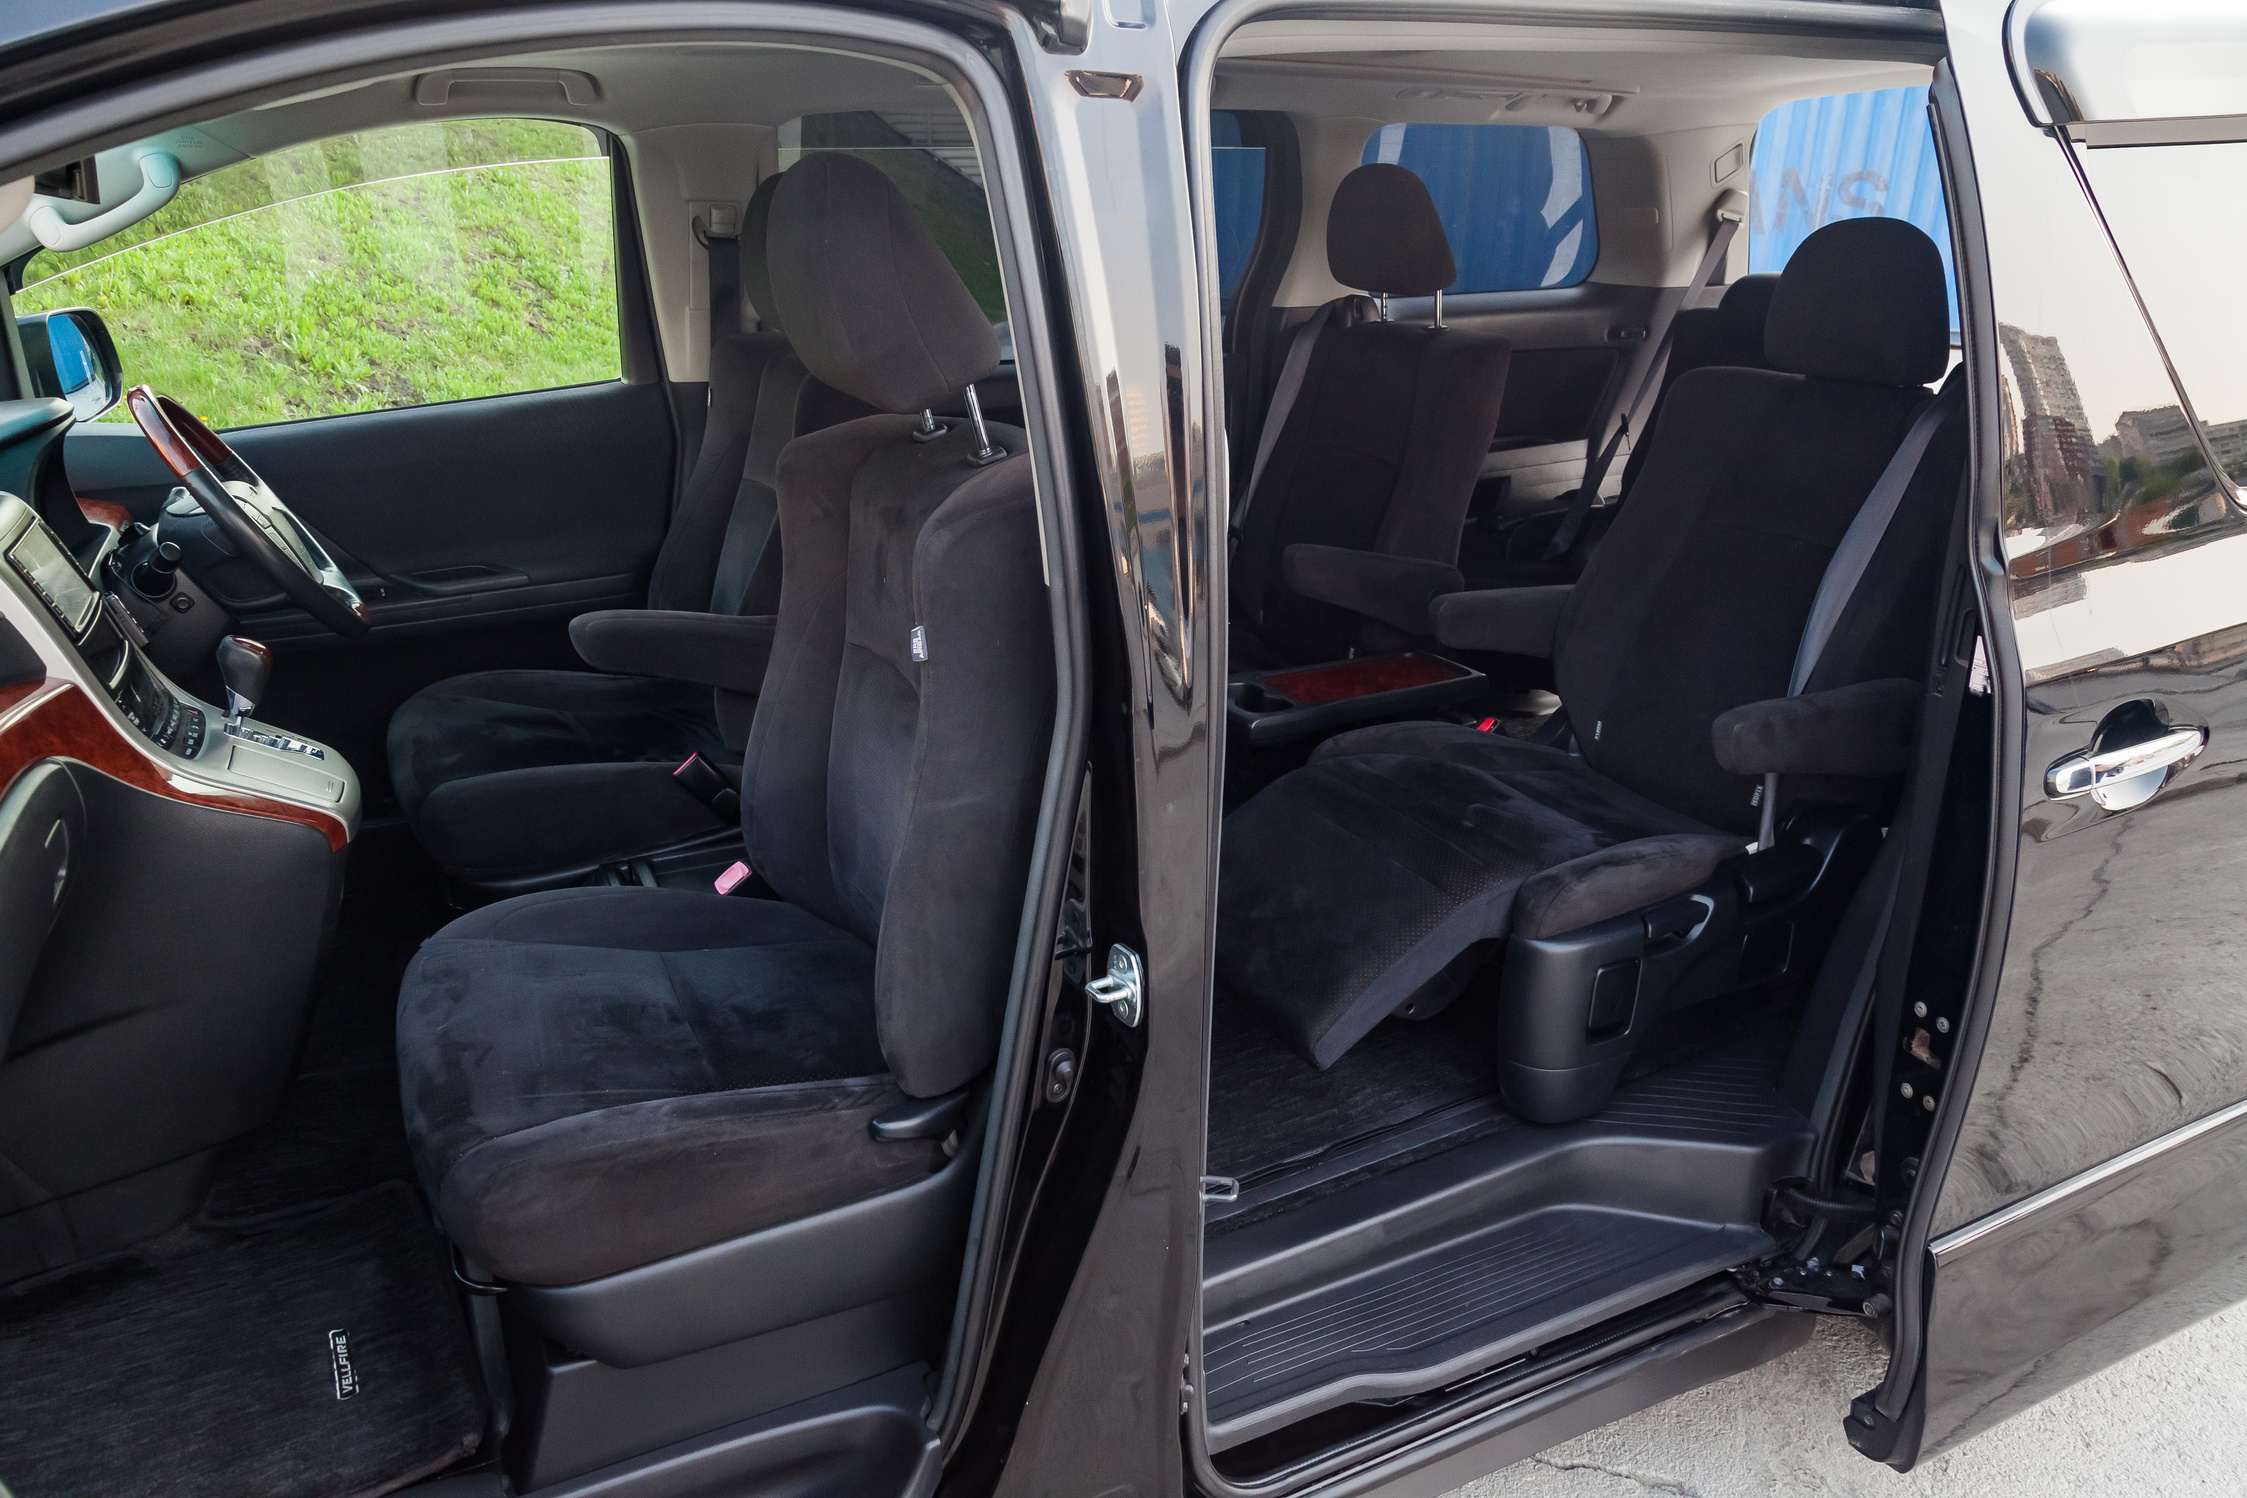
x=735, y=872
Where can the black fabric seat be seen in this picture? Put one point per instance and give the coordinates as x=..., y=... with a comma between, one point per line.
x=599, y=1079
x=1511, y=552
x=1387, y=867
x=506, y=776
x=1374, y=463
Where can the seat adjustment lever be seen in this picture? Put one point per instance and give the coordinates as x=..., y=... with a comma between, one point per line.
x=920, y=1118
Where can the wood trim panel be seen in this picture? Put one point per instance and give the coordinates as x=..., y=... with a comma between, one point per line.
x=54, y=719
x=102, y=512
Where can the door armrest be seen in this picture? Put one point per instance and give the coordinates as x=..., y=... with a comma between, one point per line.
x=715, y=650
x=1513, y=621
x=1394, y=590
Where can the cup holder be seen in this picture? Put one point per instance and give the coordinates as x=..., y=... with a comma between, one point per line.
x=1252, y=697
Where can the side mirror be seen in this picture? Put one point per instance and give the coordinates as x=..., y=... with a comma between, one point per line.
x=72, y=356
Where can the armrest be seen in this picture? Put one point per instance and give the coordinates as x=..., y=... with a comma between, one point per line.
x=717, y=650
x=1394, y=590
x=1865, y=729
x=1516, y=621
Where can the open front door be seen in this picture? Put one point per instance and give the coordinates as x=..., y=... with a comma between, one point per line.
x=2074, y=1117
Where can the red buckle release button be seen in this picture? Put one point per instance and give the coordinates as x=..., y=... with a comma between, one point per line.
x=726, y=883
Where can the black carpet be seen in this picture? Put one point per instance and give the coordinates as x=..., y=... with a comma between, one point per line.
x=1268, y=1107
x=213, y=1373
x=340, y=1129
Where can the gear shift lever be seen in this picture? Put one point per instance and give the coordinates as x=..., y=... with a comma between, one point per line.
x=244, y=665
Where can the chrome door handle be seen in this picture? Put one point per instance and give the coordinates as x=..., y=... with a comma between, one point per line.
x=2127, y=776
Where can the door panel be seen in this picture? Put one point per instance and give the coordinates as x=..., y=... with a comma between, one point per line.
x=475, y=530
x=2115, y=1020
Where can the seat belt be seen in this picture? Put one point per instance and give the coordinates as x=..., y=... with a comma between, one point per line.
x=1290, y=386
x=1728, y=218
x=1847, y=567
x=724, y=255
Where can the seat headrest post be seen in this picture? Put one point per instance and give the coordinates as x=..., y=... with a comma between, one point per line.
x=1438, y=322
x=987, y=452
x=871, y=302
x=1383, y=234
x=930, y=428
x=1862, y=300
x=1383, y=299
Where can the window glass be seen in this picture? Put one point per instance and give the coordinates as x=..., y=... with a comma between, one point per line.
x=429, y=262
x=1516, y=200
x=1863, y=155
x=2177, y=213
x=1236, y=180
x=930, y=155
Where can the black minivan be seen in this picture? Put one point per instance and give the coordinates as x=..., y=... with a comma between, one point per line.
x=1033, y=746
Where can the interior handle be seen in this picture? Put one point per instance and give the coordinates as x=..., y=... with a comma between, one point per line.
x=2127, y=775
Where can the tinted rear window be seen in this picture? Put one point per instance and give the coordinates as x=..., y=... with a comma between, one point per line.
x=1236, y=180
x=1516, y=200
x=1863, y=155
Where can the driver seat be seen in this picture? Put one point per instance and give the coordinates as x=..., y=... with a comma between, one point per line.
x=480, y=761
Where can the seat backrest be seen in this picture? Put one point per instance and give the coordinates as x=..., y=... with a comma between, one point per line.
x=1382, y=447
x=722, y=553
x=897, y=761
x=1728, y=335
x=1695, y=602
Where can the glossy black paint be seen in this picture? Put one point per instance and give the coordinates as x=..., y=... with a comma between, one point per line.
x=2104, y=1012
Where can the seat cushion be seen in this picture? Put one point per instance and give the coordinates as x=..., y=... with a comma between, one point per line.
x=474, y=761
x=595, y=1079
x=1350, y=883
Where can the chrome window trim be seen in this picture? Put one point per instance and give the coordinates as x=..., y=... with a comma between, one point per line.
x=1958, y=1240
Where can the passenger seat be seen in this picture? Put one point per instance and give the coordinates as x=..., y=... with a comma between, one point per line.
x=1350, y=521
x=1726, y=336
x=1381, y=874
x=523, y=779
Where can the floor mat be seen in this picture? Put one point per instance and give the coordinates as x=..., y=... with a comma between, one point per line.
x=1268, y=1106
x=339, y=1129
x=322, y=1358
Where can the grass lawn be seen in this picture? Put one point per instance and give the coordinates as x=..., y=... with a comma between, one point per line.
x=397, y=267
x=392, y=268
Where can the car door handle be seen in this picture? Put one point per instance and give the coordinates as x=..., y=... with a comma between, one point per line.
x=2112, y=777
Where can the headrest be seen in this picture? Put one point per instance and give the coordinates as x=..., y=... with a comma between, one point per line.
x=1383, y=234
x=1862, y=300
x=1745, y=309
x=756, y=263
x=871, y=304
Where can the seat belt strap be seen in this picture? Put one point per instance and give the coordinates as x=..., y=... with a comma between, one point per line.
x=1290, y=386
x=1847, y=567
x=725, y=282
x=1728, y=219
x=1855, y=553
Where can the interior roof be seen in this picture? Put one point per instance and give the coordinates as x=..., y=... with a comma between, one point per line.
x=642, y=87
x=1619, y=82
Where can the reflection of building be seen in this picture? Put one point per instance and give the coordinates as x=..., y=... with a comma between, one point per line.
x=2063, y=474
x=2162, y=436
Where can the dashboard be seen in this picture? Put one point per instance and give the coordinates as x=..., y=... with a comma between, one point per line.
x=98, y=699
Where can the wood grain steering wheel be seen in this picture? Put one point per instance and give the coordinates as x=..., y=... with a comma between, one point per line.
x=248, y=512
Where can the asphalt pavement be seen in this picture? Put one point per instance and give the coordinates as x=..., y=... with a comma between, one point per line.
x=2169, y=1420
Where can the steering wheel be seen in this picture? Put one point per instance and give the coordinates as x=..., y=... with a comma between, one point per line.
x=249, y=513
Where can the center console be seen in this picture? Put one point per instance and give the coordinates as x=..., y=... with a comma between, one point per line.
x=171, y=740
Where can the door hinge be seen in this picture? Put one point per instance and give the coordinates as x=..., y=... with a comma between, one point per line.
x=1124, y=989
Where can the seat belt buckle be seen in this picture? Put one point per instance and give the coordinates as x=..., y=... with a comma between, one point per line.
x=702, y=780
x=736, y=875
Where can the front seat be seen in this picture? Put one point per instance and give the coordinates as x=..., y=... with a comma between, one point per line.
x=618, y=1090
x=1379, y=876
x=1350, y=520
x=525, y=778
